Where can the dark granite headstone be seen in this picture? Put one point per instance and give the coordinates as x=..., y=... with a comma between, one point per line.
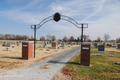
x=110, y=45
x=95, y=45
x=107, y=44
x=118, y=46
x=101, y=49
x=118, y=63
x=4, y=43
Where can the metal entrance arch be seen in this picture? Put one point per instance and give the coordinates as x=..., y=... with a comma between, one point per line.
x=56, y=17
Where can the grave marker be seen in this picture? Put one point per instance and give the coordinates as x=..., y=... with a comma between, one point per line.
x=4, y=43
x=45, y=44
x=13, y=46
x=63, y=45
x=85, y=54
x=46, y=52
x=71, y=44
x=54, y=45
x=118, y=46
x=27, y=50
x=47, y=49
x=118, y=63
x=101, y=49
x=114, y=46
x=110, y=55
x=98, y=55
x=95, y=45
x=8, y=45
x=111, y=52
x=17, y=43
x=79, y=43
x=107, y=44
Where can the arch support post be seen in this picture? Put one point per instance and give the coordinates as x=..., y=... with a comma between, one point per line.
x=82, y=34
x=82, y=30
x=34, y=38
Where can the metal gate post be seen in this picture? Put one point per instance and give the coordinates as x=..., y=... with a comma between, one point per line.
x=34, y=38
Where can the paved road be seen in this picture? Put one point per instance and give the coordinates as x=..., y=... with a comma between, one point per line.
x=34, y=72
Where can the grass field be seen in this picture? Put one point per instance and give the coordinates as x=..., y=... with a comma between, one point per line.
x=101, y=67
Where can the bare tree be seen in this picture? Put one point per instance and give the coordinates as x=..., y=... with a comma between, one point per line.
x=53, y=38
x=32, y=38
x=89, y=40
x=85, y=37
x=42, y=38
x=48, y=37
x=64, y=38
x=106, y=37
x=24, y=37
x=1, y=36
x=71, y=38
x=13, y=37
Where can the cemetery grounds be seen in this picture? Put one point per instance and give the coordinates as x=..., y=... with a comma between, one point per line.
x=13, y=59
x=101, y=67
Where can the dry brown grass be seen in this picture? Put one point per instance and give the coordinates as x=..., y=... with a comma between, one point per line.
x=61, y=76
x=112, y=49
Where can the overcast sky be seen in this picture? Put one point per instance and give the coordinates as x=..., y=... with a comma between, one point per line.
x=102, y=16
